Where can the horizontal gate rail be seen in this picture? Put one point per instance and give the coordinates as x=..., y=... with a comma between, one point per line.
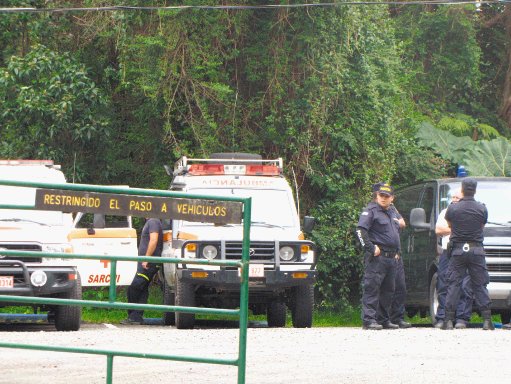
x=241, y=313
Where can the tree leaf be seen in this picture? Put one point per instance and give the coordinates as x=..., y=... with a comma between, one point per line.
x=444, y=143
x=490, y=158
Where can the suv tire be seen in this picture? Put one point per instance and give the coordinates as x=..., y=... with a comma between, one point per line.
x=433, y=297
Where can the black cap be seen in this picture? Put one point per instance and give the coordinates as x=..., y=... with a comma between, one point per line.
x=377, y=186
x=385, y=189
x=469, y=185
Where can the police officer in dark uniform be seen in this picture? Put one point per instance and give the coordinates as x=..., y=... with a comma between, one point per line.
x=467, y=219
x=151, y=244
x=397, y=308
x=378, y=233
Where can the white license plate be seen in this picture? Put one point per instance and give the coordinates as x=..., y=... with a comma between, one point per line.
x=6, y=282
x=254, y=270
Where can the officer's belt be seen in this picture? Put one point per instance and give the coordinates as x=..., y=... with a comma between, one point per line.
x=388, y=252
x=471, y=244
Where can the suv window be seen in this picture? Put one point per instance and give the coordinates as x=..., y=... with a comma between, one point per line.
x=427, y=203
x=406, y=200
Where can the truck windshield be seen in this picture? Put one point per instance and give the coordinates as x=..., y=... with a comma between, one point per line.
x=26, y=197
x=495, y=195
x=270, y=207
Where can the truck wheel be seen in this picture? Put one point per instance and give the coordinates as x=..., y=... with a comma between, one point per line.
x=185, y=297
x=68, y=317
x=169, y=298
x=433, y=298
x=303, y=304
x=276, y=314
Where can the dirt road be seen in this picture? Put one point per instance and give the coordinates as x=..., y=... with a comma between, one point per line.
x=317, y=355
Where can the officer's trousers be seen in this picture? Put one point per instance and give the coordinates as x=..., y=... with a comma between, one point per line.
x=474, y=261
x=464, y=308
x=397, y=310
x=378, y=288
x=138, y=291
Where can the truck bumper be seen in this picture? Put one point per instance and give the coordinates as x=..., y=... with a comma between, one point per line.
x=230, y=279
x=59, y=279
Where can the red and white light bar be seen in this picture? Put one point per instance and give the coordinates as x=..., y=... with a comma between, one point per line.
x=233, y=169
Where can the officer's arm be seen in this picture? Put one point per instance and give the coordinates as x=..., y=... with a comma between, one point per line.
x=363, y=238
x=151, y=247
x=398, y=218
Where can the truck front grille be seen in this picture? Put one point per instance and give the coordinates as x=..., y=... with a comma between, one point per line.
x=21, y=247
x=497, y=252
x=499, y=267
x=259, y=250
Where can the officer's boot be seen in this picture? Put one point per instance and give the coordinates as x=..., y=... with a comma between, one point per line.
x=449, y=320
x=487, y=323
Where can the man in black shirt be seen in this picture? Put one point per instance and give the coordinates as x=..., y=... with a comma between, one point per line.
x=151, y=244
x=378, y=233
x=467, y=219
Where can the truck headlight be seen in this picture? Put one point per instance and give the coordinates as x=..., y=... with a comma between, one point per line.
x=57, y=248
x=286, y=253
x=210, y=252
x=38, y=278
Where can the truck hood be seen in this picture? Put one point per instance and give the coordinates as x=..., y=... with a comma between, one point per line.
x=32, y=233
x=258, y=232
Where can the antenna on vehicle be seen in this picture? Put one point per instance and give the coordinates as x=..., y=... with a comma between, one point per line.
x=74, y=167
x=296, y=191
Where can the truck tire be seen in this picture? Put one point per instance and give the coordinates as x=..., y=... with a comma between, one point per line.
x=276, y=314
x=303, y=305
x=433, y=298
x=185, y=297
x=68, y=317
x=169, y=298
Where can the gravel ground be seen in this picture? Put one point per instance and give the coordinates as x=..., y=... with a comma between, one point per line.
x=286, y=355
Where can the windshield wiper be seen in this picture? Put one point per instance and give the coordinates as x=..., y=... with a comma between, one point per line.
x=265, y=224
x=25, y=221
x=501, y=224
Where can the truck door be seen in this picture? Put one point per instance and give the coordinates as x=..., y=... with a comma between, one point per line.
x=405, y=201
x=104, y=235
x=423, y=248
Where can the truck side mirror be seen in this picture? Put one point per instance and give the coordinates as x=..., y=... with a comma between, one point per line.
x=308, y=223
x=418, y=219
x=99, y=221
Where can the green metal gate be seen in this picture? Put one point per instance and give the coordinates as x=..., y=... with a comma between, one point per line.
x=241, y=313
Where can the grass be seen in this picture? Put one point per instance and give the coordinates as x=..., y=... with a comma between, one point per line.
x=349, y=317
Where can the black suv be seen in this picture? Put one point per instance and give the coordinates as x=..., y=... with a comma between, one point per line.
x=420, y=204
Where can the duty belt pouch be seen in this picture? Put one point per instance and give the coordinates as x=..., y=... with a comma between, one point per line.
x=449, y=249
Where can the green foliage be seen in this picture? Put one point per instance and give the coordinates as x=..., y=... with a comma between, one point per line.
x=464, y=125
x=490, y=158
x=481, y=158
x=48, y=99
x=337, y=92
x=451, y=147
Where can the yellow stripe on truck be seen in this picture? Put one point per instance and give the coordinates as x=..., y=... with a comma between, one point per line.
x=103, y=233
x=187, y=236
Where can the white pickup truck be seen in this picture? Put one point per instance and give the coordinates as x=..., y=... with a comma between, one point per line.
x=37, y=231
x=282, y=263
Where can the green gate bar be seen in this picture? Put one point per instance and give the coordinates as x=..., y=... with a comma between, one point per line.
x=242, y=313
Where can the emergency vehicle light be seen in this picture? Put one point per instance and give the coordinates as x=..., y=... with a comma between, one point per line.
x=262, y=170
x=206, y=169
x=230, y=169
